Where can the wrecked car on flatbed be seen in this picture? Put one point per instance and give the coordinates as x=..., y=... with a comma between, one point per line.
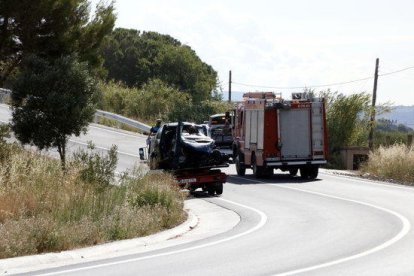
x=185, y=150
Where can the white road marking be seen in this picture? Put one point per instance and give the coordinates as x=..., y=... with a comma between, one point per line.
x=403, y=232
x=262, y=222
x=372, y=182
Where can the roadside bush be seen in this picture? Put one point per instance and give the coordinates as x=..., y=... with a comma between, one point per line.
x=395, y=162
x=96, y=167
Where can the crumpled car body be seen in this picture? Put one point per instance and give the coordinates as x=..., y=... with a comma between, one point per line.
x=184, y=145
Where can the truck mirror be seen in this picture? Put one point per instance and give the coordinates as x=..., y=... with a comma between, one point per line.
x=141, y=154
x=227, y=115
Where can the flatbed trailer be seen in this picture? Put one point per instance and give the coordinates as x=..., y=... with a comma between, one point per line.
x=209, y=180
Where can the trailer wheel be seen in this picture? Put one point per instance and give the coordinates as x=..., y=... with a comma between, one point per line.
x=240, y=168
x=293, y=171
x=219, y=188
x=211, y=189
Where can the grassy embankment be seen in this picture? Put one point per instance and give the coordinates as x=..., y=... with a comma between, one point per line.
x=392, y=163
x=43, y=209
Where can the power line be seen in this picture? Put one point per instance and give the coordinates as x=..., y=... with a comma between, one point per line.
x=321, y=85
x=397, y=71
x=299, y=87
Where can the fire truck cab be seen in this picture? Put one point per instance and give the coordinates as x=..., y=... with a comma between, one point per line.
x=271, y=133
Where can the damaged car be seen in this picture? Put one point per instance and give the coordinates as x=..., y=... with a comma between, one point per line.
x=184, y=145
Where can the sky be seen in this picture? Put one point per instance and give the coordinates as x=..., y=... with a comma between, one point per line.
x=269, y=45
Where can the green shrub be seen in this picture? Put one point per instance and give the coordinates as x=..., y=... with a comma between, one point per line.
x=96, y=167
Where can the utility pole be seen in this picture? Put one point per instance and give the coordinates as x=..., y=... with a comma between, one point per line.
x=374, y=98
x=230, y=86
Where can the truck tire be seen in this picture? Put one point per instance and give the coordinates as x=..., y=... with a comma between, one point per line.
x=293, y=171
x=304, y=172
x=309, y=172
x=257, y=170
x=313, y=172
x=211, y=188
x=267, y=172
x=219, y=188
x=240, y=168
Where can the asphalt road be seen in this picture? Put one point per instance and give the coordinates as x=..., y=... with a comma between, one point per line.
x=331, y=226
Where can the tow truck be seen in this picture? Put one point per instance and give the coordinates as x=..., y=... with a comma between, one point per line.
x=183, y=149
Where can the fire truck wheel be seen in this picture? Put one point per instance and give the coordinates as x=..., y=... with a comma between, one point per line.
x=293, y=171
x=240, y=168
x=304, y=172
x=219, y=188
x=257, y=170
x=313, y=172
x=267, y=172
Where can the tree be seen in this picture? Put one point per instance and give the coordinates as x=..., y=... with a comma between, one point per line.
x=51, y=101
x=51, y=29
x=135, y=58
x=347, y=119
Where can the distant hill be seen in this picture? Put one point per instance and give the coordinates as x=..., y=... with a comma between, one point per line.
x=400, y=115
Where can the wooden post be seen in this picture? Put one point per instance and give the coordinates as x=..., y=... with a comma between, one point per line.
x=374, y=98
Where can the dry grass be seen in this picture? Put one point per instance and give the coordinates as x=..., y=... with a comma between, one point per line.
x=395, y=162
x=43, y=209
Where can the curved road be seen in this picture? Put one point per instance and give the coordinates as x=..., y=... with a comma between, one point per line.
x=334, y=225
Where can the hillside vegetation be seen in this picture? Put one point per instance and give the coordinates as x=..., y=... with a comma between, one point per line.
x=156, y=99
x=151, y=75
x=134, y=58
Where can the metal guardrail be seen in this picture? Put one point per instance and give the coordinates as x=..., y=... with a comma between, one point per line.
x=5, y=94
x=123, y=120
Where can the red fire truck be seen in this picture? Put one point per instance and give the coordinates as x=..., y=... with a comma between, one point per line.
x=271, y=133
